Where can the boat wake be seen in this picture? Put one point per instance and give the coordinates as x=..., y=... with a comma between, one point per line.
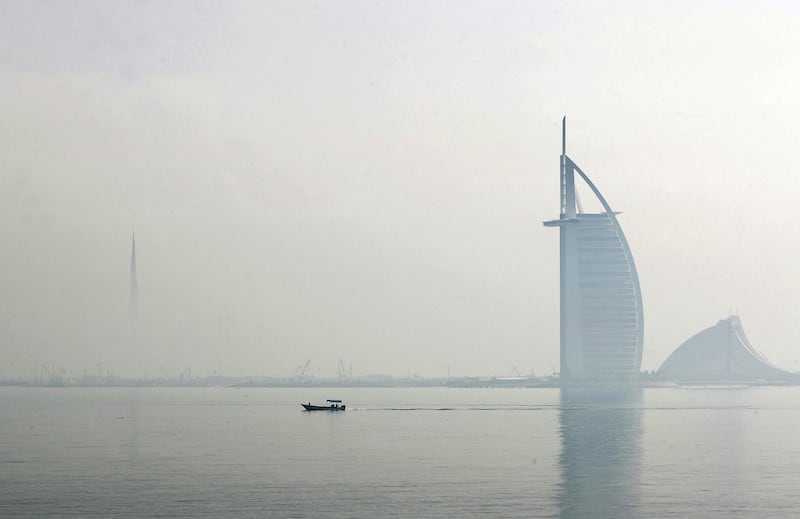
x=457, y=408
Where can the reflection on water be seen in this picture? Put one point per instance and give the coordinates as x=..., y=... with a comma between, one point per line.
x=601, y=451
x=133, y=449
x=223, y=452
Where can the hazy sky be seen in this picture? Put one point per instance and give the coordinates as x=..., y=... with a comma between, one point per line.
x=367, y=180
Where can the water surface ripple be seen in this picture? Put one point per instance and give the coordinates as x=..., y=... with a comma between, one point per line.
x=398, y=452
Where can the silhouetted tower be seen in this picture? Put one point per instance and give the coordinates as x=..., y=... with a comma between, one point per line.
x=602, y=327
x=134, y=286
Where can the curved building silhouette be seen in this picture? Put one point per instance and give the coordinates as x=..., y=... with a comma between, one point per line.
x=602, y=325
x=721, y=353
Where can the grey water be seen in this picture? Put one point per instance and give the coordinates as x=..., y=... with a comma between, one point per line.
x=399, y=452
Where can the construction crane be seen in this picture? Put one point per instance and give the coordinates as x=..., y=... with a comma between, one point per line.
x=55, y=375
x=342, y=372
x=301, y=370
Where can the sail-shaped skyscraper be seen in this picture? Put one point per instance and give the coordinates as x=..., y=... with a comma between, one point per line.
x=601, y=303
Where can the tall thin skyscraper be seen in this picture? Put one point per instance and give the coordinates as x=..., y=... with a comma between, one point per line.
x=602, y=327
x=134, y=303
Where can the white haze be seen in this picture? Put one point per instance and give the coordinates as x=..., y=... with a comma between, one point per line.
x=367, y=180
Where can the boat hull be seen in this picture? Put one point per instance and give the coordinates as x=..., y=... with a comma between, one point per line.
x=310, y=407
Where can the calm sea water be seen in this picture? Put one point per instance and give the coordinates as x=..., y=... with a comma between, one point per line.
x=399, y=452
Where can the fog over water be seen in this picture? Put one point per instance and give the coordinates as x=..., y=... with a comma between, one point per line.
x=399, y=452
x=367, y=180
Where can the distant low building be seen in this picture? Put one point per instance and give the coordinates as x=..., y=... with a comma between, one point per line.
x=721, y=353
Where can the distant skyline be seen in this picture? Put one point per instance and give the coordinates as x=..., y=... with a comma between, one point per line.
x=367, y=180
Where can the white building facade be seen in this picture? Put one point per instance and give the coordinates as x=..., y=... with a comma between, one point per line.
x=602, y=324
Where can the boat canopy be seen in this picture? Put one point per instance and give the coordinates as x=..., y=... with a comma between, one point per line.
x=334, y=401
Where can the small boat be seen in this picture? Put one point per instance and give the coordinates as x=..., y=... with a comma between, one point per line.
x=333, y=405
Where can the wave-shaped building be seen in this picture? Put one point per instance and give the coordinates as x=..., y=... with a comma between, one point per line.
x=721, y=353
x=602, y=326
